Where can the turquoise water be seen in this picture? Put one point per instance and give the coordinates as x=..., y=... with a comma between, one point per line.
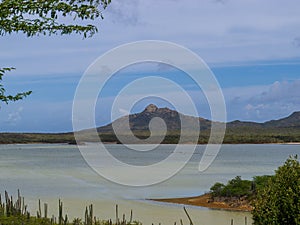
x=50, y=172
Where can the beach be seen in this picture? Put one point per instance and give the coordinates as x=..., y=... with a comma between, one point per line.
x=206, y=201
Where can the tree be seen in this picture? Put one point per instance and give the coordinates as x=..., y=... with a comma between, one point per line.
x=260, y=182
x=44, y=17
x=238, y=187
x=7, y=98
x=217, y=189
x=234, y=188
x=279, y=201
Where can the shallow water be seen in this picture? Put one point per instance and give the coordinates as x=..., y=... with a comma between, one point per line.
x=50, y=172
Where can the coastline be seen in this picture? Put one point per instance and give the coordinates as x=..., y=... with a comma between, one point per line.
x=205, y=201
x=115, y=143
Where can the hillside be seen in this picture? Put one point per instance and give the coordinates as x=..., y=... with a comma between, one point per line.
x=291, y=121
x=275, y=131
x=140, y=121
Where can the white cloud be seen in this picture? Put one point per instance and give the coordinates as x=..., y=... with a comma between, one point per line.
x=261, y=103
x=222, y=32
x=36, y=116
x=229, y=32
x=285, y=92
x=124, y=12
x=14, y=117
x=296, y=42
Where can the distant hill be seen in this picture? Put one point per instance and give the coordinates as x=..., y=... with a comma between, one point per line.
x=140, y=121
x=274, y=131
x=291, y=121
x=238, y=132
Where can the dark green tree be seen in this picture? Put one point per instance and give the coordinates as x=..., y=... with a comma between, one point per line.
x=278, y=202
x=47, y=17
x=260, y=182
x=234, y=188
x=217, y=189
x=237, y=187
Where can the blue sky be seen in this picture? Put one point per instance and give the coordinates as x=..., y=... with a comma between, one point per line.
x=252, y=46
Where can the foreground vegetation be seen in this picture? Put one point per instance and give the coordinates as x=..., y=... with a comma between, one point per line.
x=16, y=213
x=275, y=199
x=238, y=187
x=278, y=202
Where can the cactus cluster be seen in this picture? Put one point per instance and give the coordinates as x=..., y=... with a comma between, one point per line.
x=15, y=212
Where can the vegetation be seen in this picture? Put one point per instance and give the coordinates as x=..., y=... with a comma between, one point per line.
x=35, y=17
x=239, y=136
x=16, y=213
x=7, y=98
x=278, y=202
x=275, y=199
x=238, y=187
x=262, y=135
x=22, y=138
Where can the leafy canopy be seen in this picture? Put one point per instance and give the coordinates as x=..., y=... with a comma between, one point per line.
x=278, y=202
x=8, y=98
x=34, y=17
x=234, y=188
x=47, y=17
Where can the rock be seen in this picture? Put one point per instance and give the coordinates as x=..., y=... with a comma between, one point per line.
x=151, y=108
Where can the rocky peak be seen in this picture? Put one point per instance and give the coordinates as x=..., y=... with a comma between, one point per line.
x=151, y=108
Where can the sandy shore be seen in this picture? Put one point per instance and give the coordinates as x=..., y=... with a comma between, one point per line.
x=292, y=143
x=205, y=201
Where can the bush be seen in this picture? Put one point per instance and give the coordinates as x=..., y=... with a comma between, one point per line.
x=234, y=188
x=278, y=202
x=217, y=189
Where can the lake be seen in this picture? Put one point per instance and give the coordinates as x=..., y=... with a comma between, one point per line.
x=50, y=172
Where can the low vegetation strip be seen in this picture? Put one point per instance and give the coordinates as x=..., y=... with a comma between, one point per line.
x=281, y=136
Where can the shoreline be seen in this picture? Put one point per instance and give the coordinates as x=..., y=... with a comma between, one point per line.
x=205, y=201
x=114, y=143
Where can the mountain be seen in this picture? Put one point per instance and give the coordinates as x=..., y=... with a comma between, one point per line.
x=274, y=131
x=140, y=121
x=291, y=121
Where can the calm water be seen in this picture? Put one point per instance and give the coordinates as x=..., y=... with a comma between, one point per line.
x=50, y=172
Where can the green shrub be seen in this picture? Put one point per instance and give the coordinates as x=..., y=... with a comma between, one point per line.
x=278, y=202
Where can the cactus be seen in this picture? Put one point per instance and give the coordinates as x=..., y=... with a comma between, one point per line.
x=60, y=212
x=45, y=210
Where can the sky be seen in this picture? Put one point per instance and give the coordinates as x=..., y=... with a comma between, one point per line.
x=251, y=46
